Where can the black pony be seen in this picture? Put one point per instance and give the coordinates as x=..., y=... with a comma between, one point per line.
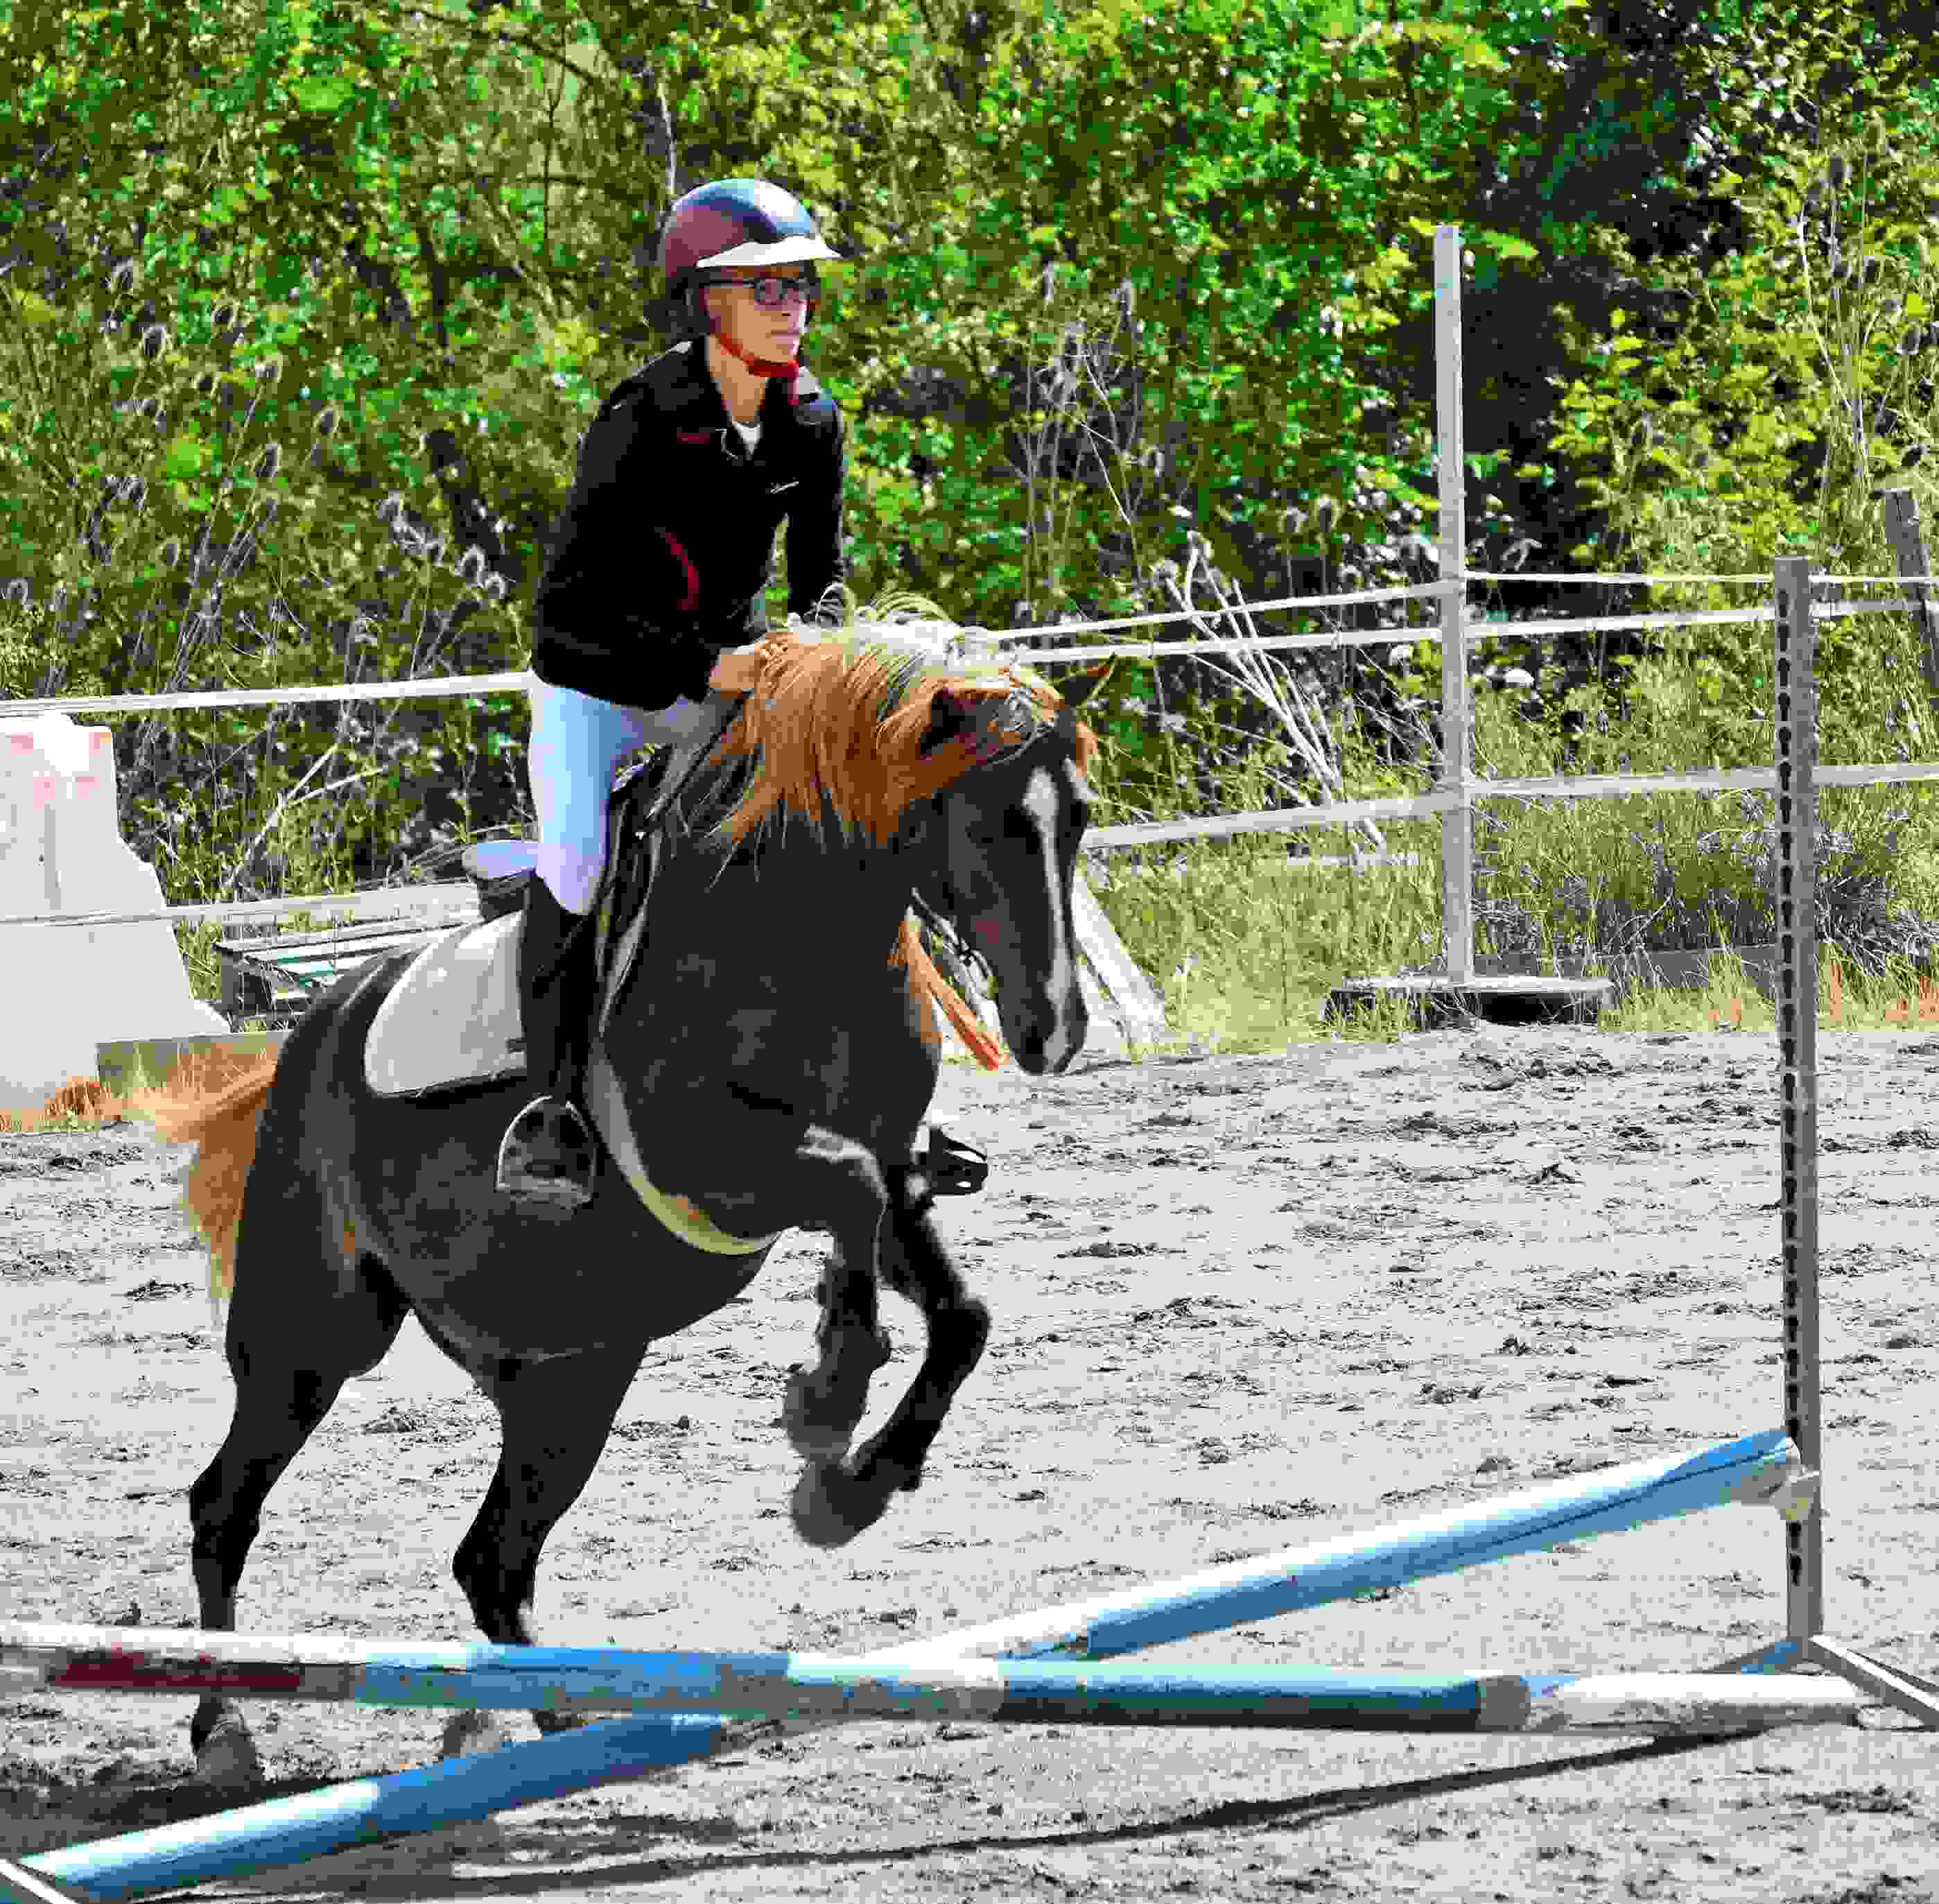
x=775, y=1047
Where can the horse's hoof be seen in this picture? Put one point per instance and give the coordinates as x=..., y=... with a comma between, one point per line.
x=830, y=1508
x=467, y=1732
x=227, y=1759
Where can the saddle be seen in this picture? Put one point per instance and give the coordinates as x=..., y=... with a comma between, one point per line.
x=451, y=1020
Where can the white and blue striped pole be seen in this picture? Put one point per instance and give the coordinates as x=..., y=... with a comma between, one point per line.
x=828, y=1687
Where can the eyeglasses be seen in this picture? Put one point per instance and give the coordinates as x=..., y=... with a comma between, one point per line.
x=775, y=293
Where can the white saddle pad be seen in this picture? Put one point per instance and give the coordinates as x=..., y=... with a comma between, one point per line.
x=453, y=1017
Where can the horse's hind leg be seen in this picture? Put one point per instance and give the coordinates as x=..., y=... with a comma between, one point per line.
x=556, y=1416
x=298, y=1330
x=833, y=1503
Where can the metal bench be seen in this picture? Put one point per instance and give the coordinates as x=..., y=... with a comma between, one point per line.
x=275, y=978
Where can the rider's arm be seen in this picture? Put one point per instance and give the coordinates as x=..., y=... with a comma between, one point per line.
x=606, y=613
x=815, y=555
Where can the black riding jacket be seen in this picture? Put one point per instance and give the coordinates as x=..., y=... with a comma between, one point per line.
x=666, y=548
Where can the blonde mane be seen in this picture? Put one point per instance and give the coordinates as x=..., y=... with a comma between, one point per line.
x=839, y=715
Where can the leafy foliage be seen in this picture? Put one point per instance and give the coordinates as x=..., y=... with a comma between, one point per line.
x=1131, y=289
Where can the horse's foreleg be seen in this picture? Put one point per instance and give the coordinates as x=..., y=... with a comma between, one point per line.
x=915, y=1265
x=831, y=1182
x=833, y=1503
x=824, y=1404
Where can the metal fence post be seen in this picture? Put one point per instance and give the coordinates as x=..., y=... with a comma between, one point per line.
x=1457, y=844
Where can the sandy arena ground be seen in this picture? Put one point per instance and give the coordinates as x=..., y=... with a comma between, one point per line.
x=1241, y=1303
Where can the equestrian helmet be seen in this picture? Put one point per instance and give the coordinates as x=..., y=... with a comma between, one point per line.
x=731, y=221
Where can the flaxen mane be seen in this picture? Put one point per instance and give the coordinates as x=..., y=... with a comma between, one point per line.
x=842, y=717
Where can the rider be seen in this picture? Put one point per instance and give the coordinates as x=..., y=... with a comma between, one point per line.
x=654, y=585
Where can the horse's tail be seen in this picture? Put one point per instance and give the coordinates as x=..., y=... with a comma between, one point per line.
x=222, y=1125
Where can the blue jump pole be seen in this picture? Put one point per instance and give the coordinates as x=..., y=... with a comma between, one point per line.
x=18, y=1885
x=286, y=1831
x=998, y=1692
x=1756, y=1468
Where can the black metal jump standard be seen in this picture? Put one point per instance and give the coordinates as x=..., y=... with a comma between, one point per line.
x=1794, y=679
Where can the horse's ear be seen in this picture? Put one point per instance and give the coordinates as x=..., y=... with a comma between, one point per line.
x=950, y=715
x=1076, y=691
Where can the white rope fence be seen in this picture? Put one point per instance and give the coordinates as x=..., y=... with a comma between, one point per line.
x=457, y=897
x=519, y=680
x=1452, y=800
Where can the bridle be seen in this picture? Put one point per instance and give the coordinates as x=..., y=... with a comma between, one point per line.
x=952, y=910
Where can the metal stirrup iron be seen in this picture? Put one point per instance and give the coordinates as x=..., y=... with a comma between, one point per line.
x=554, y=1125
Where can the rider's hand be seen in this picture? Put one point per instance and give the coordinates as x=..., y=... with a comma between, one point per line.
x=738, y=671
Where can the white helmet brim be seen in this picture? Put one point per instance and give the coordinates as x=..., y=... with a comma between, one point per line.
x=783, y=251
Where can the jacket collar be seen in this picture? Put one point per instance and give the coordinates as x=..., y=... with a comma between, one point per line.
x=707, y=408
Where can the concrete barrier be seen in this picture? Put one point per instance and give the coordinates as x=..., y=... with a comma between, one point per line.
x=65, y=988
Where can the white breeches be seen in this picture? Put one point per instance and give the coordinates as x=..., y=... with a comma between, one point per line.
x=577, y=745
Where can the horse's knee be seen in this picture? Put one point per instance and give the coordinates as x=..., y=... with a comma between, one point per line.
x=855, y=1187
x=967, y=1324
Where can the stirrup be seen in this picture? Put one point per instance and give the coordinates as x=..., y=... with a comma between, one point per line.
x=953, y=1168
x=548, y=1155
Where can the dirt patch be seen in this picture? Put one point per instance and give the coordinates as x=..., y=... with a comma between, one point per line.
x=1240, y=1303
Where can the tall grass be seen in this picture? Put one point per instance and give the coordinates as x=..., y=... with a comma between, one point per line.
x=171, y=521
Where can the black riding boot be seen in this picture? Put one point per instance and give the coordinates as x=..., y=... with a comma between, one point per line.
x=548, y=1154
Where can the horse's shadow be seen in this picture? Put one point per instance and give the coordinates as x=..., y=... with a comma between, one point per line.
x=601, y=1844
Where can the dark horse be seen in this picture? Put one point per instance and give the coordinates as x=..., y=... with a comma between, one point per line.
x=775, y=1066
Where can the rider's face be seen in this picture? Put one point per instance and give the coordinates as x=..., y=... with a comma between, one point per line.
x=756, y=329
